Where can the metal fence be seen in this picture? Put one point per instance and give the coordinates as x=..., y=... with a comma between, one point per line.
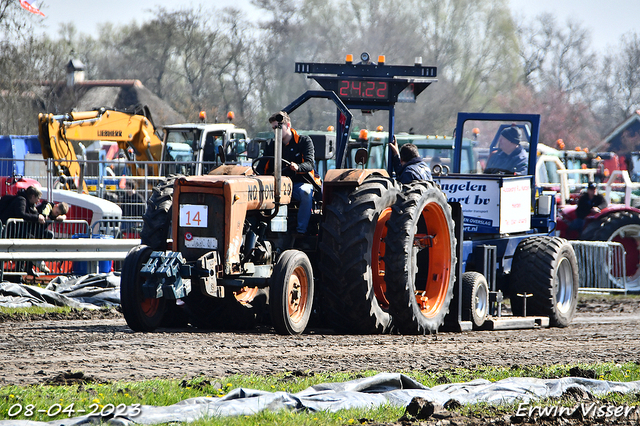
x=19, y=229
x=128, y=192
x=601, y=266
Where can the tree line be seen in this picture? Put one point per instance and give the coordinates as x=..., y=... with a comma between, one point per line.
x=217, y=60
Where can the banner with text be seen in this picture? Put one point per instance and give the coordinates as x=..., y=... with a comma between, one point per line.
x=491, y=205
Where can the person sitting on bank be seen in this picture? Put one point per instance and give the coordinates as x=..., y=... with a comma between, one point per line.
x=510, y=157
x=408, y=164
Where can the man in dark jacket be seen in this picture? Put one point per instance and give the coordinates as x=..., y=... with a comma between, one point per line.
x=22, y=206
x=589, y=202
x=298, y=150
x=510, y=157
x=408, y=164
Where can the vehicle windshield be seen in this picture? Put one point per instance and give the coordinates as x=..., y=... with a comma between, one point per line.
x=179, y=156
x=500, y=147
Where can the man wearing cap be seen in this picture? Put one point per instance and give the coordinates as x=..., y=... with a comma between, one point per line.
x=299, y=153
x=510, y=157
x=590, y=201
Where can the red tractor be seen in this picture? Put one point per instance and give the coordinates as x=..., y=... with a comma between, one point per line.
x=617, y=223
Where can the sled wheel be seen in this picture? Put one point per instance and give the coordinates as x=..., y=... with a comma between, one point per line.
x=156, y=220
x=141, y=314
x=546, y=268
x=291, y=293
x=621, y=227
x=475, y=298
x=420, y=259
x=352, y=250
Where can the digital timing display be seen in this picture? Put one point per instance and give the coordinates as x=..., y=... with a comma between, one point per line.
x=364, y=90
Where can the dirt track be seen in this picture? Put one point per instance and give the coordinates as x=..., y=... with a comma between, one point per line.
x=36, y=351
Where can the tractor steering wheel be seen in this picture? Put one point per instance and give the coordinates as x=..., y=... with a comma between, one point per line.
x=498, y=171
x=286, y=163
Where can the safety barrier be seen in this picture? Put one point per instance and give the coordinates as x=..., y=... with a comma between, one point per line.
x=88, y=252
x=19, y=229
x=601, y=266
x=123, y=229
x=63, y=247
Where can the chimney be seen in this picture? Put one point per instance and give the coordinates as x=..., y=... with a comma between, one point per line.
x=75, y=72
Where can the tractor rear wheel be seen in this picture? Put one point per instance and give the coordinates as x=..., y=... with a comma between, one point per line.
x=621, y=227
x=157, y=218
x=420, y=259
x=141, y=314
x=291, y=293
x=352, y=250
x=475, y=298
x=547, y=269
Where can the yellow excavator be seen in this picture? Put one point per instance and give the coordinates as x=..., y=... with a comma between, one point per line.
x=133, y=130
x=187, y=148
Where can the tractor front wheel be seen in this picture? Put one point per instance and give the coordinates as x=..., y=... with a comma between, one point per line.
x=291, y=293
x=141, y=314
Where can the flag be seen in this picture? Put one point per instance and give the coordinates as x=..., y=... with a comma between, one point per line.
x=31, y=8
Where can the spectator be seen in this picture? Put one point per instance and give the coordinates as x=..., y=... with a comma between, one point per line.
x=53, y=212
x=22, y=206
x=510, y=157
x=589, y=202
x=408, y=164
x=298, y=150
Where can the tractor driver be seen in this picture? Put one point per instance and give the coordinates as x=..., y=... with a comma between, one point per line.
x=510, y=157
x=299, y=152
x=589, y=202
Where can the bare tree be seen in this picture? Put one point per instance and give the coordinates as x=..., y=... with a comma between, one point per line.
x=619, y=85
x=557, y=57
x=25, y=64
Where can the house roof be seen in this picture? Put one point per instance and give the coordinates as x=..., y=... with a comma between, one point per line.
x=622, y=127
x=118, y=94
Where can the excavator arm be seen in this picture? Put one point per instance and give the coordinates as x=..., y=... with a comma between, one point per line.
x=133, y=130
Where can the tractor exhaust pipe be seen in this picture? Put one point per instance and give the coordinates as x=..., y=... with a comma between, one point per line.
x=277, y=165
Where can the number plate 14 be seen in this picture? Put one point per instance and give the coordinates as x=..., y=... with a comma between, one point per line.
x=194, y=216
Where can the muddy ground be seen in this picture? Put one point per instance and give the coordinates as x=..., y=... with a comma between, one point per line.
x=100, y=345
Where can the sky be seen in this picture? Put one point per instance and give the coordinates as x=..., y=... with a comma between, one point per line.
x=607, y=20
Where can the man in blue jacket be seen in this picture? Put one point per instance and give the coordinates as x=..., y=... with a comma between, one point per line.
x=408, y=164
x=510, y=157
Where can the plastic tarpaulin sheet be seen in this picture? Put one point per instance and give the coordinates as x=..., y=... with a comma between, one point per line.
x=92, y=291
x=371, y=392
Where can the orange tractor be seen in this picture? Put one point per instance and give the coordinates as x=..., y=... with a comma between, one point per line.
x=232, y=243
